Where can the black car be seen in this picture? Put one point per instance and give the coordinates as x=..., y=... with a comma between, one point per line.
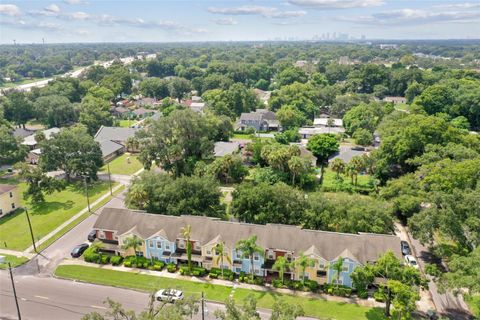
x=92, y=235
x=78, y=250
x=405, y=248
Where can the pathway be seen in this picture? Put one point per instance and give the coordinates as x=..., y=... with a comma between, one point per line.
x=17, y=253
x=66, y=223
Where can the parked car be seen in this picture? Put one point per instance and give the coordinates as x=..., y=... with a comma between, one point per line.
x=169, y=295
x=410, y=260
x=92, y=235
x=79, y=250
x=405, y=248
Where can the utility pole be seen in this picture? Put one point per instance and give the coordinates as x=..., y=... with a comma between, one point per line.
x=109, y=178
x=203, y=307
x=31, y=230
x=86, y=192
x=14, y=291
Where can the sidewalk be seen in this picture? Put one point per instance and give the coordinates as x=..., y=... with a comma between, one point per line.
x=17, y=253
x=66, y=223
x=165, y=274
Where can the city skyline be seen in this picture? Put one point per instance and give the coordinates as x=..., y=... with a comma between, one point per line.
x=175, y=21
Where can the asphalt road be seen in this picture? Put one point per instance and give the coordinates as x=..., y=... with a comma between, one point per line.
x=62, y=299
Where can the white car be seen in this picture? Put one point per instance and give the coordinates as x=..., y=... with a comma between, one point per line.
x=169, y=295
x=410, y=261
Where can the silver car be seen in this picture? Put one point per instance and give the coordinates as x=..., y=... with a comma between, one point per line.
x=169, y=295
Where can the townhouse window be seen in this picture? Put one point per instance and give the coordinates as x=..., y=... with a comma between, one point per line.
x=1, y=212
x=159, y=245
x=321, y=266
x=340, y=281
x=209, y=252
x=312, y=264
x=167, y=247
x=238, y=270
x=196, y=247
x=150, y=243
x=345, y=269
x=255, y=257
x=139, y=253
x=13, y=205
x=238, y=253
x=11, y=195
x=305, y=276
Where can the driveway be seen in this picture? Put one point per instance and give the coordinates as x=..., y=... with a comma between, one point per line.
x=448, y=305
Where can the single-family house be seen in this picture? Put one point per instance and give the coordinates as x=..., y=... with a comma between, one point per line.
x=122, y=112
x=9, y=198
x=395, y=100
x=113, y=140
x=260, y=120
x=162, y=239
x=31, y=142
x=143, y=113
x=307, y=132
x=328, y=122
x=197, y=106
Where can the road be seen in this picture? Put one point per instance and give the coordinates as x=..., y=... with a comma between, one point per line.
x=50, y=298
x=446, y=304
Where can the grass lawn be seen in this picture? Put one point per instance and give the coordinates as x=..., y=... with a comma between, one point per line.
x=119, y=165
x=331, y=183
x=72, y=224
x=57, y=208
x=14, y=261
x=245, y=136
x=126, y=123
x=474, y=304
x=313, y=307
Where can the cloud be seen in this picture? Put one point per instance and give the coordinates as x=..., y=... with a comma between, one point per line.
x=336, y=4
x=414, y=16
x=466, y=5
x=74, y=2
x=10, y=10
x=79, y=15
x=225, y=21
x=267, y=12
x=22, y=24
x=52, y=8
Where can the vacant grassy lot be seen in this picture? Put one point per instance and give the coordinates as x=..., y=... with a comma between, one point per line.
x=331, y=183
x=14, y=261
x=121, y=165
x=313, y=307
x=45, y=217
x=126, y=123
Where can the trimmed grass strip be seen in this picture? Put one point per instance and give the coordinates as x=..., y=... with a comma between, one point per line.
x=321, y=309
x=14, y=261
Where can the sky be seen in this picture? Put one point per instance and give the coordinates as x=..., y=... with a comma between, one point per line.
x=234, y=20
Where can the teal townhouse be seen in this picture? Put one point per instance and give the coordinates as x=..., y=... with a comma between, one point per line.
x=162, y=240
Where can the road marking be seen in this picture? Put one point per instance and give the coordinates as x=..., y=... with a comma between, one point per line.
x=98, y=307
x=42, y=297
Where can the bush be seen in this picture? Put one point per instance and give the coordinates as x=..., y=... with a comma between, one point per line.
x=311, y=285
x=127, y=263
x=104, y=259
x=277, y=283
x=379, y=295
x=362, y=294
x=116, y=260
x=213, y=275
x=171, y=267
x=337, y=290
x=432, y=269
x=157, y=267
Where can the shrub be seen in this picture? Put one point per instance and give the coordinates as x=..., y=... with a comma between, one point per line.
x=379, y=295
x=277, y=283
x=127, y=263
x=311, y=285
x=104, y=259
x=213, y=275
x=362, y=294
x=171, y=267
x=116, y=260
x=157, y=267
x=432, y=269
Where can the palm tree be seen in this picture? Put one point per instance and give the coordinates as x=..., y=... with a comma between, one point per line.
x=249, y=248
x=303, y=262
x=137, y=196
x=133, y=242
x=350, y=171
x=358, y=165
x=296, y=167
x=338, y=166
x=337, y=267
x=281, y=265
x=221, y=254
x=97, y=245
x=186, y=232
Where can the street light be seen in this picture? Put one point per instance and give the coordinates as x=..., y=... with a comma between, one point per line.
x=86, y=192
x=31, y=230
x=109, y=178
x=14, y=291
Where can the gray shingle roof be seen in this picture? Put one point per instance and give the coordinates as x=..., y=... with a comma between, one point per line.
x=108, y=147
x=114, y=133
x=329, y=245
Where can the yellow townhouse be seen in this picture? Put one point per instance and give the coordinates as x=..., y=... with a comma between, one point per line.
x=9, y=199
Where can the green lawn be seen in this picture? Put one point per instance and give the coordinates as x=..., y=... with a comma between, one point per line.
x=313, y=307
x=244, y=136
x=72, y=224
x=126, y=123
x=332, y=184
x=474, y=304
x=45, y=217
x=14, y=261
x=120, y=165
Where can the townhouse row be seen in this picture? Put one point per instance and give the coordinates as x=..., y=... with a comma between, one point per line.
x=162, y=240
